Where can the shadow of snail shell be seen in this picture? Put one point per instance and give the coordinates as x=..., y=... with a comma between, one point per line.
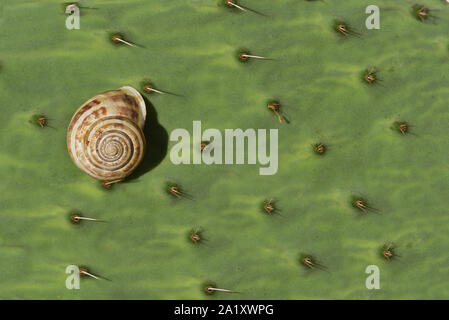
x=105, y=137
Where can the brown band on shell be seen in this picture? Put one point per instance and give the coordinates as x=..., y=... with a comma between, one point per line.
x=82, y=110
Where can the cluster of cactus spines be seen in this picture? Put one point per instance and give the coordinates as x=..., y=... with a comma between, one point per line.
x=269, y=207
x=388, y=251
x=421, y=13
x=72, y=5
x=275, y=107
x=118, y=39
x=108, y=184
x=176, y=191
x=148, y=87
x=401, y=127
x=204, y=144
x=344, y=29
x=244, y=55
x=233, y=4
x=76, y=217
x=210, y=288
x=310, y=262
x=40, y=120
x=84, y=272
x=370, y=76
x=319, y=148
x=195, y=236
x=361, y=204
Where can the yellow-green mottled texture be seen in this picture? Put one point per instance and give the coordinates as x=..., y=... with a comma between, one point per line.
x=188, y=47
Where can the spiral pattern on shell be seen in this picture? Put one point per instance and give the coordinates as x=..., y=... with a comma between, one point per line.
x=105, y=137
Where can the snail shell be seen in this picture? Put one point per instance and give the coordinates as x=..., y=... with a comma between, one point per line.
x=105, y=137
